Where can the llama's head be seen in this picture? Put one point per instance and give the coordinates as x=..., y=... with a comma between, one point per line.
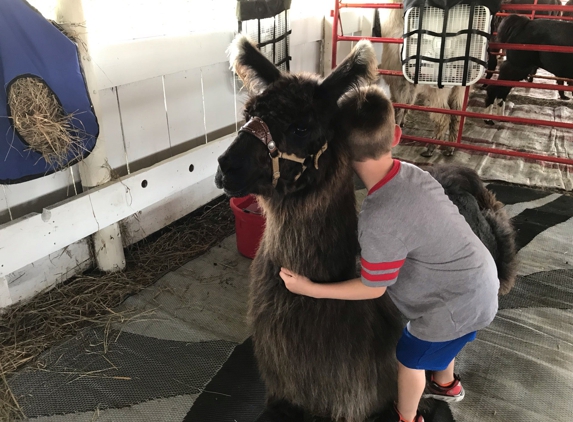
x=287, y=143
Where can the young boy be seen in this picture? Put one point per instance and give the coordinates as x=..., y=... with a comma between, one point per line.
x=416, y=246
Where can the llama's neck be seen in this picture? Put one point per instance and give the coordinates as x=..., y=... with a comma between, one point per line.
x=304, y=233
x=392, y=23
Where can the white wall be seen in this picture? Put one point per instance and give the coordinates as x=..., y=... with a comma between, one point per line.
x=165, y=87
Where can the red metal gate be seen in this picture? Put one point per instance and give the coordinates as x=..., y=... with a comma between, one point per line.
x=463, y=113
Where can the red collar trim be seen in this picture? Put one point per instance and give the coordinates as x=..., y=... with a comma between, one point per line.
x=393, y=172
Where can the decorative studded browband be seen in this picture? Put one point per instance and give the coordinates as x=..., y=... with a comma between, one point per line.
x=258, y=128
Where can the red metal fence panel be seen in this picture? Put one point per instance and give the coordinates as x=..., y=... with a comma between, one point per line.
x=463, y=113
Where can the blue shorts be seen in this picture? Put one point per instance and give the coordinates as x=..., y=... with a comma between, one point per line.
x=432, y=356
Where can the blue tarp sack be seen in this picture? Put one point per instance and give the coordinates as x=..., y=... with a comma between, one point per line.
x=33, y=50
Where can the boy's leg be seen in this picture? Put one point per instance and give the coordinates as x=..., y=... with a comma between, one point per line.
x=411, y=384
x=446, y=376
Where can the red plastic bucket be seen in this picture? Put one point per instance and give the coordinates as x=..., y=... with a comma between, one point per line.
x=249, y=224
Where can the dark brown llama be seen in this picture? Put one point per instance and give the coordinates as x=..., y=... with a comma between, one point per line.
x=327, y=358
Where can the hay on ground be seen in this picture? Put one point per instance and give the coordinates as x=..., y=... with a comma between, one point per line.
x=41, y=122
x=49, y=318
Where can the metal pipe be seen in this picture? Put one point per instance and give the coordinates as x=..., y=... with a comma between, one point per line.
x=515, y=84
x=537, y=7
x=507, y=46
x=560, y=18
x=372, y=5
x=533, y=47
x=463, y=118
x=490, y=150
x=524, y=7
x=371, y=39
x=335, y=37
x=486, y=116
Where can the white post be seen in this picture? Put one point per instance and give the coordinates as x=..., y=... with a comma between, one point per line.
x=327, y=46
x=5, y=297
x=94, y=170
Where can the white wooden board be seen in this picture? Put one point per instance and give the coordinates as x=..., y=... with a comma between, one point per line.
x=351, y=21
x=219, y=96
x=306, y=57
x=137, y=60
x=168, y=210
x=306, y=30
x=69, y=221
x=110, y=129
x=5, y=297
x=4, y=211
x=184, y=99
x=144, y=118
x=47, y=272
x=34, y=193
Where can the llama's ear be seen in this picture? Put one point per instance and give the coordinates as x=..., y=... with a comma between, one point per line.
x=359, y=67
x=255, y=70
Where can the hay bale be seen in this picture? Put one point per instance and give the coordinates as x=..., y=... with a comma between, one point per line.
x=41, y=122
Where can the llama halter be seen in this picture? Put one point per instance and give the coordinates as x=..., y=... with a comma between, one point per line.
x=259, y=129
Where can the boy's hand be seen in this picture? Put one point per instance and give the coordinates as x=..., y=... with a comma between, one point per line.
x=296, y=283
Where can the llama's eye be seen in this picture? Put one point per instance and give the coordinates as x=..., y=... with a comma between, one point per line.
x=300, y=130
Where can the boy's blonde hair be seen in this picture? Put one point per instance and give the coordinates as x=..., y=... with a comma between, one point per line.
x=367, y=119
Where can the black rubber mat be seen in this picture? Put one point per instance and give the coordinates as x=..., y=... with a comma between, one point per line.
x=101, y=370
x=511, y=194
x=545, y=289
x=532, y=222
x=235, y=394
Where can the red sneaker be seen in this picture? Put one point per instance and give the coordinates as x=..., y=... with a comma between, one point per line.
x=397, y=417
x=452, y=393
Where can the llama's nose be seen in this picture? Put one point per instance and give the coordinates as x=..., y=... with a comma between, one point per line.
x=224, y=163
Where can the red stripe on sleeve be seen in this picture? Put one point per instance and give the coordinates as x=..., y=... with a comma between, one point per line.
x=380, y=277
x=371, y=266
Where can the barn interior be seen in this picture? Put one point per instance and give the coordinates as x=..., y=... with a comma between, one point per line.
x=151, y=323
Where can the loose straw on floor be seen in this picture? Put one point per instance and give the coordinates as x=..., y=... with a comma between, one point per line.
x=49, y=318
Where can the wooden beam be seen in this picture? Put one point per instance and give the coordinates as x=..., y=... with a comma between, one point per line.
x=5, y=297
x=35, y=236
x=94, y=169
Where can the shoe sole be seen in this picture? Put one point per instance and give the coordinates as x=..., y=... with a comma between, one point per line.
x=447, y=399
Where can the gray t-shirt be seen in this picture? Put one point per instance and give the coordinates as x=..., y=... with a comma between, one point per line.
x=415, y=242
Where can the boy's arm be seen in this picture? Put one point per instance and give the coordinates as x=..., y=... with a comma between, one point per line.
x=347, y=290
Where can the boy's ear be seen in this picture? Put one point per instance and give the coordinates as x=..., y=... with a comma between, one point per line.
x=397, y=135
